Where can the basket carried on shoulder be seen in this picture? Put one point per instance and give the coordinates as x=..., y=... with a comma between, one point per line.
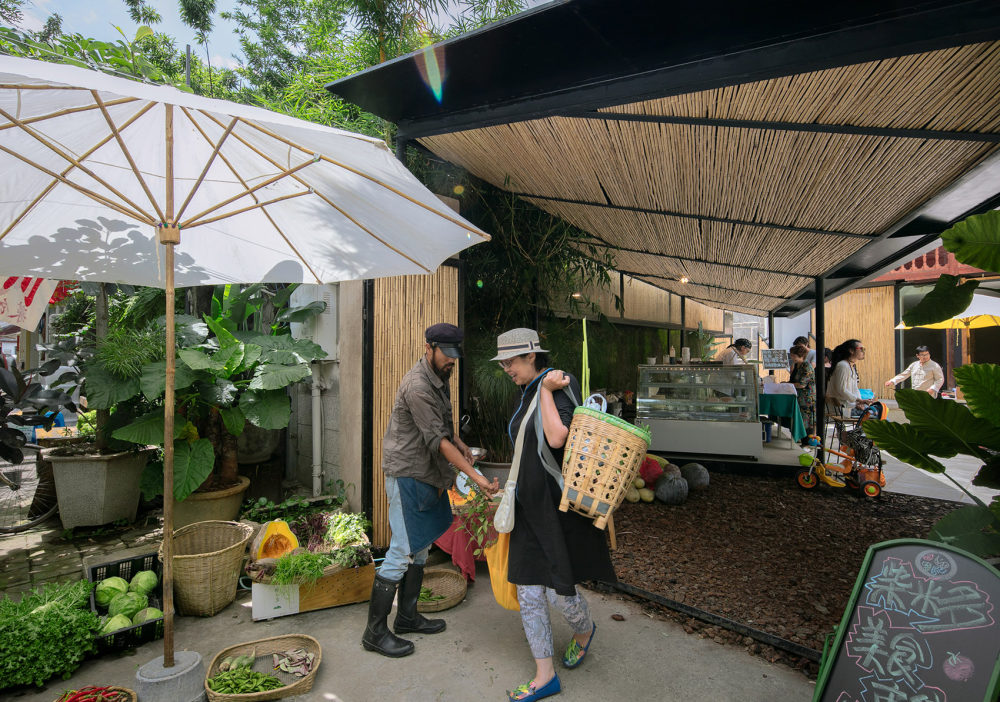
x=600, y=460
x=207, y=560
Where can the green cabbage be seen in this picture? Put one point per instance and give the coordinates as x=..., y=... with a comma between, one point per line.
x=108, y=589
x=143, y=582
x=118, y=621
x=127, y=603
x=146, y=615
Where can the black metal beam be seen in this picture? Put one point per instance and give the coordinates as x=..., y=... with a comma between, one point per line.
x=640, y=274
x=848, y=129
x=567, y=56
x=703, y=217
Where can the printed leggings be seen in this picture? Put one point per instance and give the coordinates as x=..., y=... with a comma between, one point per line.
x=534, y=601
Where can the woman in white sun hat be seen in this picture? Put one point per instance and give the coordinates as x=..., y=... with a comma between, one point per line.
x=550, y=551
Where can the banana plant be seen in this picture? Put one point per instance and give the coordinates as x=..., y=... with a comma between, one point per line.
x=941, y=429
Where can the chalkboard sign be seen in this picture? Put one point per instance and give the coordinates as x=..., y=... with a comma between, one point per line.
x=921, y=626
x=774, y=359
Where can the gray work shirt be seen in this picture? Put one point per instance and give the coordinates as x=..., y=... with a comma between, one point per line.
x=421, y=417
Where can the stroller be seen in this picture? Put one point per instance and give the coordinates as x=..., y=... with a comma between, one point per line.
x=860, y=466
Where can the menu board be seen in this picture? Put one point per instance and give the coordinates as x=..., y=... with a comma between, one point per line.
x=774, y=359
x=921, y=626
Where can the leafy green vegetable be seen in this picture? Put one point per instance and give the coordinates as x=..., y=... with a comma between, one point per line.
x=49, y=632
x=300, y=568
x=344, y=529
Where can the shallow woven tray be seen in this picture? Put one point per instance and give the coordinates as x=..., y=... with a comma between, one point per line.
x=113, y=688
x=443, y=582
x=264, y=664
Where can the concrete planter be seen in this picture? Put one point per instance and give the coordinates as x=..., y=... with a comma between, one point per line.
x=218, y=505
x=97, y=489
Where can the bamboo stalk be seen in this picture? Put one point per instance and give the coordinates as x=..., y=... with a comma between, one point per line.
x=68, y=111
x=248, y=208
x=168, y=407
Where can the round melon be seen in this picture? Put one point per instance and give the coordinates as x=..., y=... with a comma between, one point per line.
x=671, y=489
x=696, y=476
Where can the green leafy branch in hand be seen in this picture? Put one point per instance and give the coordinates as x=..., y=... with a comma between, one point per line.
x=477, y=518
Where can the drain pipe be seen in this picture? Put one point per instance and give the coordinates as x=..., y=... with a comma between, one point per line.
x=317, y=429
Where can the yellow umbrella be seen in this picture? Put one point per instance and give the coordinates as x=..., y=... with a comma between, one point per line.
x=974, y=321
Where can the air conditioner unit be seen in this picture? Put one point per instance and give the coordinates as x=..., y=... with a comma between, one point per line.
x=321, y=329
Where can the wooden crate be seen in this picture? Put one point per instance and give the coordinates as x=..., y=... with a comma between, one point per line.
x=345, y=587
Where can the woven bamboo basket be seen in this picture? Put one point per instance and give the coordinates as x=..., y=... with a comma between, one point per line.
x=262, y=651
x=207, y=560
x=132, y=697
x=448, y=583
x=600, y=461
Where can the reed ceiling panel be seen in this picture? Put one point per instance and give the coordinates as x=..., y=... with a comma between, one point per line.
x=948, y=90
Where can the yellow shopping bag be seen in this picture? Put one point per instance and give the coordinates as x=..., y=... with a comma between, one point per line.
x=504, y=591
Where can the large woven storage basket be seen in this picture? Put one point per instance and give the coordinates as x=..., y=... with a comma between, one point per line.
x=262, y=650
x=600, y=461
x=207, y=560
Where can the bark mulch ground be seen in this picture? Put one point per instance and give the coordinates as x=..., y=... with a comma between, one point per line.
x=763, y=552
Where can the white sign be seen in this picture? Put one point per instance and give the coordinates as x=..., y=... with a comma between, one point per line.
x=774, y=358
x=23, y=300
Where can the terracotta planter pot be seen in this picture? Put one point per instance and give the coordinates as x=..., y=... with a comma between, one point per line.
x=97, y=489
x=218, y=505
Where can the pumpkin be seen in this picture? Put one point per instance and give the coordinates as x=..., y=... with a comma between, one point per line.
x=696, y=476
x=273, y=540
x=671, y=489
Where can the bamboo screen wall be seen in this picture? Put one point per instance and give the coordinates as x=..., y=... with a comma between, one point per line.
x=865, y=314
x=404, y=307
x=710, y=317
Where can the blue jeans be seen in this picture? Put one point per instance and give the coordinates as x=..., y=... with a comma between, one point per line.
x=396, y=558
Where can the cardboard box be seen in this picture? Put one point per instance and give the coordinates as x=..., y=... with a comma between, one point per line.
x=345, y=587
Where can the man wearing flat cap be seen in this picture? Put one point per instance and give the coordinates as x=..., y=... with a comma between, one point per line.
x=419, y=444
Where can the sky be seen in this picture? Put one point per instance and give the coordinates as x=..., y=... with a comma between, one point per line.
x=96, y=19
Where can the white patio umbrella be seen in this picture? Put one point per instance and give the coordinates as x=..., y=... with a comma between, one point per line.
x=98, y=172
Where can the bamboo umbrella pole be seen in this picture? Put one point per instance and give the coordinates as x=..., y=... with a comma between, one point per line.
x=169, y=236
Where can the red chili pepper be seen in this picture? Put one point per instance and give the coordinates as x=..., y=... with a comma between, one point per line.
x=87, y=694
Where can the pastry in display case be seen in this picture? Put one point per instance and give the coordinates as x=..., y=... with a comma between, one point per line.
x=701, y=409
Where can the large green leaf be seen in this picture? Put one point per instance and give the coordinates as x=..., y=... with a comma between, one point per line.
x=193, y=463
x=268, y=409
x=950, y=422
x=196, y=359
x=281, y=297
x=975, y=240
x=221, y=393
x=273, y=376
x=153, y=379
x=283, y=342
x=908, y=444
x=251, y=354
x=969, y=528
x=230, y=357
x=147, y=430
x=949, y=298
x=234, y=420
x=222, y=331
x=301, y=314
x=988, y=475
x=104, y=390
x=980, y=383
x=282, y=357
x=151, y=482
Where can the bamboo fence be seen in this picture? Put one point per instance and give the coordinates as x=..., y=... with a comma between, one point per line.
x=404, y=307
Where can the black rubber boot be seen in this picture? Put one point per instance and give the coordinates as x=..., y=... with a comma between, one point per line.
x=377, y=635
x=408, y=619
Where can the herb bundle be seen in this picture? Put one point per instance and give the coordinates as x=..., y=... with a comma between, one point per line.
x=477, y=518
x=300, y=568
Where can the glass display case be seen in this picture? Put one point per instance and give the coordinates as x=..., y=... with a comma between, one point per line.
x=701, y=409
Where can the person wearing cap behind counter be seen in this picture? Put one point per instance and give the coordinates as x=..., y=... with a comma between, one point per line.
x=419, y=443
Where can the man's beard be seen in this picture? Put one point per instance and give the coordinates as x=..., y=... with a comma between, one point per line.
x=444, y=373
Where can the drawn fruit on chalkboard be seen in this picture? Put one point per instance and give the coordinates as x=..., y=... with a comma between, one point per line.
x=958, y=667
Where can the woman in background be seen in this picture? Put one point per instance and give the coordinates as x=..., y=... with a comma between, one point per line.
x=842, y=395
x=803, y=377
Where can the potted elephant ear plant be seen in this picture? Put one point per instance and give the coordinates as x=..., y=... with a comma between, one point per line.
x=233, y=370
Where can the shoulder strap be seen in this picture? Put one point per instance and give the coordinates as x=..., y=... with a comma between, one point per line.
x=544, y=452
x=515, y=464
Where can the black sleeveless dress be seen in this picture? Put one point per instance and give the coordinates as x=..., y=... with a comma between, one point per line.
x=549, y=547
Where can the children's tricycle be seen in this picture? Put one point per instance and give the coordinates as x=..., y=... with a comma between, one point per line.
x=860, y=465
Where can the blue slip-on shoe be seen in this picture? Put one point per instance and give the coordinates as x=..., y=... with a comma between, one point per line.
x=528, y=692
x=575, y=652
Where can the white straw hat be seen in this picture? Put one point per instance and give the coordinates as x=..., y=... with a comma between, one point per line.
x=516, y=342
